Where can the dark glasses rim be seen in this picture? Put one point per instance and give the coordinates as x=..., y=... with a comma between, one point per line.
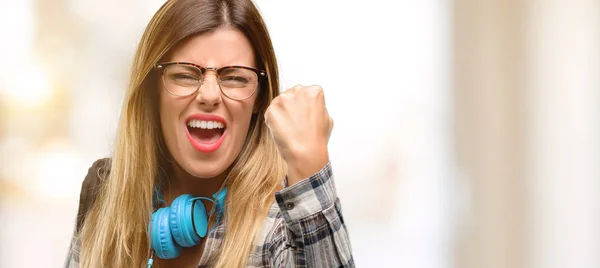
x=162, y=66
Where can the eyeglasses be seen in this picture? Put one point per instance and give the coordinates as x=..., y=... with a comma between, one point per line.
x=184, y=79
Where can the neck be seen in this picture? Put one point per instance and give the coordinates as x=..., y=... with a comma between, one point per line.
x=182, y=182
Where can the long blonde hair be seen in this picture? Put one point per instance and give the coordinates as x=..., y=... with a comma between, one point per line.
x=114, y=233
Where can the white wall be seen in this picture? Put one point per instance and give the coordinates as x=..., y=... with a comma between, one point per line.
x=384, y=68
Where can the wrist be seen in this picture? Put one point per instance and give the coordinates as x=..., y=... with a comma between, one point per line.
x=301, y=166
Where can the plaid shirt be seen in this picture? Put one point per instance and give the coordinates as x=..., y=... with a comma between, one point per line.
x=304, y=228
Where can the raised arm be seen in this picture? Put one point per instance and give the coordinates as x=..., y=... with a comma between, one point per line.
x=313, y=233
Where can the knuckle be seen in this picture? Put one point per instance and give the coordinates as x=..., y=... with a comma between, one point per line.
x=315, y=90
x=285, y=97
x=294, y=89
x=269, y=109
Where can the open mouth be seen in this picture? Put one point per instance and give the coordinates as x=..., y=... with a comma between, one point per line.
x=206, y=135
x=205, y=131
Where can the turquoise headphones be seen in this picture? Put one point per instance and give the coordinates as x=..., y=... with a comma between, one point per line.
x=183, y=224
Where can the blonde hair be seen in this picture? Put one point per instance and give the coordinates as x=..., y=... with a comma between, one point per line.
x=114, y=233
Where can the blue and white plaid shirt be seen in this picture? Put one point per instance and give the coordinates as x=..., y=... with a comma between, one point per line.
x=304, y=228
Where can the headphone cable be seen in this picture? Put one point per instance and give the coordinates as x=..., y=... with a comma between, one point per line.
x=151, y=260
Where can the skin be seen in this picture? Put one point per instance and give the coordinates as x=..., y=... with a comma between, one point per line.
x=298, y=120
x=199, y=173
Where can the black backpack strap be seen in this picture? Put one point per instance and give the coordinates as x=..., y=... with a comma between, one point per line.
x=90, y=188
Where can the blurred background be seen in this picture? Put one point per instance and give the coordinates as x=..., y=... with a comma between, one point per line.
x=467, y=132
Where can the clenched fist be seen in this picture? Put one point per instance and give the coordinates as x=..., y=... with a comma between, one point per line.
x=300, y=125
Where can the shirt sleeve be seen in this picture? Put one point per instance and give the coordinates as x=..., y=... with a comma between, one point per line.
x=313, y=231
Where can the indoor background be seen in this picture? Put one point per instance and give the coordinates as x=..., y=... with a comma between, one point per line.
x=467, y=132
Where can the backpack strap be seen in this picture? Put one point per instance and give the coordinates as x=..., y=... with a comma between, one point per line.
x=90, y=188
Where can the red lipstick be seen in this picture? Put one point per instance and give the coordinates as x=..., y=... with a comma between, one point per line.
x=206, y=147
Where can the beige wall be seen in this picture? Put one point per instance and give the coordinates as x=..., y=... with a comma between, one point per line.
x=527, y=117
x=488, y=87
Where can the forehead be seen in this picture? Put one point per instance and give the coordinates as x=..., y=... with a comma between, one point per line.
x=222, y=47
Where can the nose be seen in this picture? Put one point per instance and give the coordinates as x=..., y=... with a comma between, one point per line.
x=209, y=93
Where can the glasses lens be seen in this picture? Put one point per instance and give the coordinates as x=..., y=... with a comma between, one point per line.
x=182, y=80
x=238, y=83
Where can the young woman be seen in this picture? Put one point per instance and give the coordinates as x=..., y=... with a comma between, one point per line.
x=212, y=167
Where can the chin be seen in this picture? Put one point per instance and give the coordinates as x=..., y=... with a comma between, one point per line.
x=204, y=170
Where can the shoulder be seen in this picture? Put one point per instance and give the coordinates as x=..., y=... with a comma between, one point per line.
x=96, y=174
x=91, y=186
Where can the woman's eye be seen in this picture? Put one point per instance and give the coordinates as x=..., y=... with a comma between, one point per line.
x=234, y=79
x=185, y=77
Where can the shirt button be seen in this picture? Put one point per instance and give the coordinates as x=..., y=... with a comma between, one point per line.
x=289, y=206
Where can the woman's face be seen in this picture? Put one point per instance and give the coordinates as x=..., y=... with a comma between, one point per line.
x=186, y=121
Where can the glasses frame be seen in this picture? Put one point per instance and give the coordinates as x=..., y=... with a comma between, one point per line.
x=260, y=74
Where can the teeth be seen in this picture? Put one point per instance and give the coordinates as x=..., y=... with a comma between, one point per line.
x=205, y=124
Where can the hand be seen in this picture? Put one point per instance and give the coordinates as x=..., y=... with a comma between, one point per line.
x=300, y=126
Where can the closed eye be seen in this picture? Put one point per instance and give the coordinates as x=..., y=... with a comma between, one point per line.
x=183, y=76
x=237, y=79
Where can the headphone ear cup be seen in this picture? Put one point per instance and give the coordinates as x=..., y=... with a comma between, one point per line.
x=200, y=218
x=180, y=220
x=162, y=240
